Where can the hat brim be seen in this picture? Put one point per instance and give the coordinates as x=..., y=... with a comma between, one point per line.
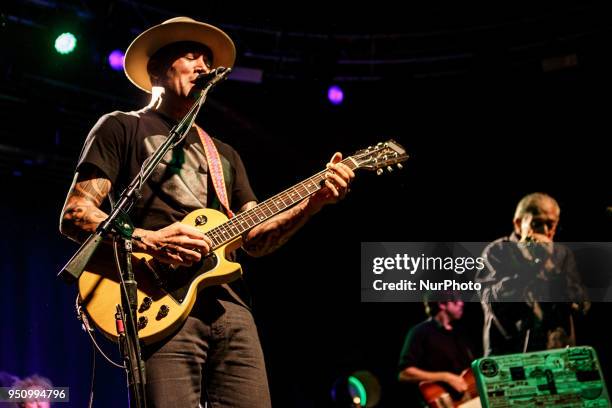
x=146, y=44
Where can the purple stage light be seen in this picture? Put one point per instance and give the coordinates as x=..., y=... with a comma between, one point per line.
x=335, y=95
x=115, y=59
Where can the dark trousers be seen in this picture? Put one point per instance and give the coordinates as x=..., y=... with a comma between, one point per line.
x=215, y=357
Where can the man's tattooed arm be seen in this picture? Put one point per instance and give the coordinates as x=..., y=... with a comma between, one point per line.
x=275, y=232
x=177, y=243
x=81, y=214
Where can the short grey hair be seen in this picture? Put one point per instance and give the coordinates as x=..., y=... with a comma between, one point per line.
x=532, y=201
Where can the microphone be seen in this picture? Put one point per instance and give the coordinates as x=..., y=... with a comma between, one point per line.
x=211, y=78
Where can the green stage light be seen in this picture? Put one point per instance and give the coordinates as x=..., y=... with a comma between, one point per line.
x=65, y=43
x=357, y=390
x=360, y=389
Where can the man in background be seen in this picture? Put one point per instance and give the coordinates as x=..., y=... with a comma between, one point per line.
x=521, y=271
x=435, y=349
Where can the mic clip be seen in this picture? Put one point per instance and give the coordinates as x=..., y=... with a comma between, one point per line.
x=211, y=78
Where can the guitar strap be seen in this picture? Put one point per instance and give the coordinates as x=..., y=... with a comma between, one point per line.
x=215, y=168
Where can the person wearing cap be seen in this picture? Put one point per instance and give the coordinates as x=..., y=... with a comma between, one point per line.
x=216, y=355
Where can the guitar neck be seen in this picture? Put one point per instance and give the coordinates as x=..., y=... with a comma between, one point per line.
x=265, y=210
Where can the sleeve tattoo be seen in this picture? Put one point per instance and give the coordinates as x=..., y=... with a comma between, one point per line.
x=275, y=232
x=81, y=214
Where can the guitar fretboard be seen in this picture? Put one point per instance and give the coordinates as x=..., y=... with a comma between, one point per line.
x=249, y=219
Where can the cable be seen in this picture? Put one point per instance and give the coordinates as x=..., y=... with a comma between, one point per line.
x=93, y=376
x=85, y=324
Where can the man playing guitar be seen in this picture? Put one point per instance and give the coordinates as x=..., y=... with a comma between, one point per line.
x=216, y=354
x=435, y=352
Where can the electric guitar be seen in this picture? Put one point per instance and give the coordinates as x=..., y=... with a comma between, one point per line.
x=166, y=294
x=442, y=395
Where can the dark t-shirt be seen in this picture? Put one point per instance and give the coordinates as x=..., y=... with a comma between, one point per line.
x=121, y=141
x=431, y=347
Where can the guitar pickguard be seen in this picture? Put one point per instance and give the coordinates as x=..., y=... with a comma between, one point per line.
x=176, y=281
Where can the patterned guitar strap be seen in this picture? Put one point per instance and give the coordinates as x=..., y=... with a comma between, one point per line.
x=215, y=168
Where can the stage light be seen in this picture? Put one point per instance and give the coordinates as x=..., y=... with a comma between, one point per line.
x=358, y=390
x=65, y=43
x=115, y=59
x=335, y=95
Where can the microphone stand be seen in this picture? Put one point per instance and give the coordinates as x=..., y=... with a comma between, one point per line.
x=119, y=226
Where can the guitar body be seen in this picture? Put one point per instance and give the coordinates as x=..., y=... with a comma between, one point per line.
x=171, y=292
x=442, y=395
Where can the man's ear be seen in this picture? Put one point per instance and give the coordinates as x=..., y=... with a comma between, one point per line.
x=153, y=69
x=154, y=79
x=517, y=225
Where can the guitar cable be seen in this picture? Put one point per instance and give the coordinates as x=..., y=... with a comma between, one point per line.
x=87, y=328
x=93, y=378
x=82, y=317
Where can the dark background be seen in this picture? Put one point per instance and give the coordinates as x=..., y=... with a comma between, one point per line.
x=490, y=104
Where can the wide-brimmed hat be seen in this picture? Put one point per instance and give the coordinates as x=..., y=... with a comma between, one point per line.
x=170, y=31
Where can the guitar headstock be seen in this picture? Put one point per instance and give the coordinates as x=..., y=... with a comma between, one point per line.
x=381, y=156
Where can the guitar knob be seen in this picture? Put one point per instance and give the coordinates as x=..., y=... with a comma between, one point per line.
x=146, y=304
x=399, y=166
x=379, y=172
x=201, y=220
x=142, y=322
x=389, y=169
x=163, y=312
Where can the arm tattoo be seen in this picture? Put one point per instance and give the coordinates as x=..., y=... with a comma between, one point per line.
x=275, y=232
x=81, y=214
x=94, y=190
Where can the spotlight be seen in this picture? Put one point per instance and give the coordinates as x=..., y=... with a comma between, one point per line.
x=65, y=43
x=115, y=59
x=358, y=390
x=335, y=95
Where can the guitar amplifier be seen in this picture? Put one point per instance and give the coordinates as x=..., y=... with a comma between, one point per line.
x=569, y=377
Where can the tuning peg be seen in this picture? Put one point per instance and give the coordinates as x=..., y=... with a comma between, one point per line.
x=389, y=169
x=379, y=172
x=399, y=166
